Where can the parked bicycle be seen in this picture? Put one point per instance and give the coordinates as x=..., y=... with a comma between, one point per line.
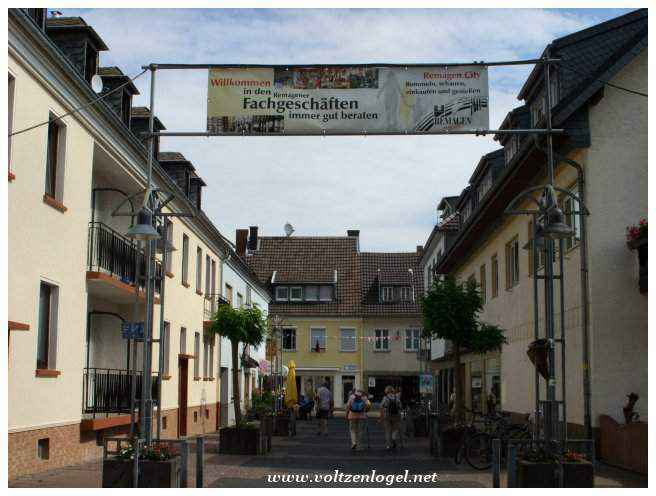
x=478, y=448
x=476, y=423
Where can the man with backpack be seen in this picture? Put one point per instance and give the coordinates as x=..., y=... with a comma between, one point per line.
x=390, y=416
x=356, y=414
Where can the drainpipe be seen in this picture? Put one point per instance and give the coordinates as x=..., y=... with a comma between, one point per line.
x=585, y=292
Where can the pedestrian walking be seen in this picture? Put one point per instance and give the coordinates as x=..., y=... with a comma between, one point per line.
x=325, y=405
x=356, y=415
x=390, y=416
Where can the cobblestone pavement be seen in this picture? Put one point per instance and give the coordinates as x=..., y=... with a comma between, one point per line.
x=307, y=453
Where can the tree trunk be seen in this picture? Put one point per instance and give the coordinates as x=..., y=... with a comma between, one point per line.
x=457, y=372
x=235, y=381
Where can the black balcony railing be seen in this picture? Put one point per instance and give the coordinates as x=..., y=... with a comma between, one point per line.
x=211, y=305
x=118, y=256
x=108, y=390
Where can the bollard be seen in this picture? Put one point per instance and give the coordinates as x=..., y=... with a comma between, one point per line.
x=200, y=460
x=512, y=464
x=184, y=457
x=496, y=463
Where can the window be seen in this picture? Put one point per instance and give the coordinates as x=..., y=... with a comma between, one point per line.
x=325, y=293
x=289, y=339
x=317, y=339
x=169, y=238
x=183, y=340
x=381, y=342
x=91, y=62
x=412, y=337
x=295, y=294
x=405, y=293
x=199, y=269
x=485, y=185
x=249, y=296
x=483, y=284
x=196, y=354
x=185, y=260
x=213, y=284
x=347, y=340
x=282, y=293
x=211, y=360
x=511, y=147
x=228, y=295
x=55, y=158
x=572, y=217
x=126, y=107
x=43, y=448
x=208, y=275
x=494, y=267
x=10, y=114
x=47, y=334
x=311, y=293
x=388, y=293
x=206, y=356
x=240, y=300
x=466, y=211
x=512, y=263
x=167, y=347
x=537, y=109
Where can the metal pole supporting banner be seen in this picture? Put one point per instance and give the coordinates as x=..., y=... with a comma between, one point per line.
x=200, y=460
x=162, y=328
x=536, y=322
x=563, y=384
x=133, y=374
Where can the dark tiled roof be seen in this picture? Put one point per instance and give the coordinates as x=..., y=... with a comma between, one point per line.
x=75, y=23
x=171, y=157
x=303, y=259
x=390, y=269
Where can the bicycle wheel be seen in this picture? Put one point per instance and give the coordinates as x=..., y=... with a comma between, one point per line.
x=478, y=451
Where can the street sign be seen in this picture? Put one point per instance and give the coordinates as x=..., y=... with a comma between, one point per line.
x=132, y=330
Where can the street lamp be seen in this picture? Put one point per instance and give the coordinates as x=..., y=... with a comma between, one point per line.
x=553, y=224
x=143, y=230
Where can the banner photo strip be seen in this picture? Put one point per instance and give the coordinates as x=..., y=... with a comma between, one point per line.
x=346, y=99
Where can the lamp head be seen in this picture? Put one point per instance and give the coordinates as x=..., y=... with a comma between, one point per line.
x=554, y=225
x=143, y=230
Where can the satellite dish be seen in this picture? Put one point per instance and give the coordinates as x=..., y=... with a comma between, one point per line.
x=289, y=229
x=97, y=83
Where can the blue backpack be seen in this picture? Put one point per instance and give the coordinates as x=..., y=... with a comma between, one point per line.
x=357, y=405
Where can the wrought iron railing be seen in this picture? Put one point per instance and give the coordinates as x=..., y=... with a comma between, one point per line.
x=211, y=305
x=109, y=390
x=117, y=255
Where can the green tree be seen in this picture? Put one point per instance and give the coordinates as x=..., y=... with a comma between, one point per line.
x=246, y=326
x=450, y=311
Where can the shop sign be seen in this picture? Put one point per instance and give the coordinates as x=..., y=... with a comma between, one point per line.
x=349, y=368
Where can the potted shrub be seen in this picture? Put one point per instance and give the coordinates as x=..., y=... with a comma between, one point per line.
x=636, y=239
x=538, y=468
x=159, y=466
x=246, y=327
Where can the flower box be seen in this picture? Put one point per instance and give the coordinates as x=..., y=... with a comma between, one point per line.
x=119, y=473
x=241, y=441
x=544, y=474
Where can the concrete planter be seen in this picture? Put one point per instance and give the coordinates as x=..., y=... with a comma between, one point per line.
x=233, y=441
x=118, y=473
x=543, y=474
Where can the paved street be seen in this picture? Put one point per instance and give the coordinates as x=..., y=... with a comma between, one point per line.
x=307, y=453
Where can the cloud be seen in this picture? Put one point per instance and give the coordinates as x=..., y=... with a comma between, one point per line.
x=387, y=187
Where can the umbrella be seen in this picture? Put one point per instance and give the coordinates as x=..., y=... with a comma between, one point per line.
x=292, y=394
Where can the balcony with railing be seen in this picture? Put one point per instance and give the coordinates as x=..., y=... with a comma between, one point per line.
x=113, y=260
x=108, y=391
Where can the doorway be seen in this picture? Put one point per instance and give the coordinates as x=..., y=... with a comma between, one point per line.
x=183, y=371
x=348, y=385
x=224, y=396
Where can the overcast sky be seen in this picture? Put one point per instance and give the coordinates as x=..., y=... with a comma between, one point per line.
x=388, y=187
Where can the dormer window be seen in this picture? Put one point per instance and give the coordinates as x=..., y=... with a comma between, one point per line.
x=282, y=293
x=390, y=294
x=512, y=147
x=387, y=293
x=90, y=62
x=485, y=186
x=126, y=107
x=466, y=211
x=296, y=293
x=325, y=293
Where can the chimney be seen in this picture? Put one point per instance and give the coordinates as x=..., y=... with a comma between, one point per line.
x=252, y=238
x=240, y=238
x=420, y=250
